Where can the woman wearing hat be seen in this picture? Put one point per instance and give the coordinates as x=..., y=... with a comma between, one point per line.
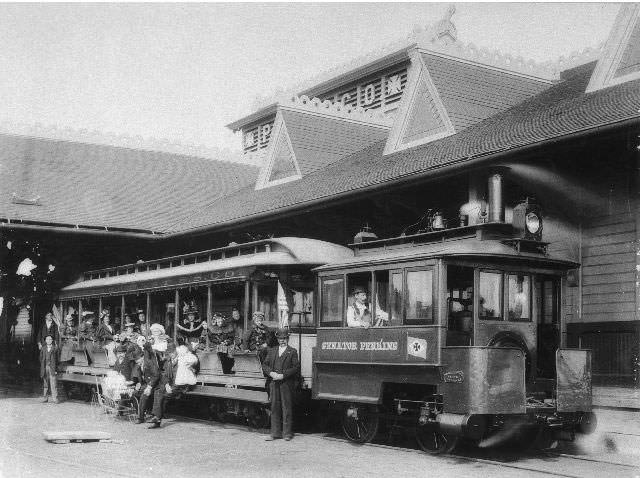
x=68, y=332
x=129, y=333
x=221, y=337
x=190, y=329
x=259, y=336
x=143, y=325
x=282, y=367
x=104, y=335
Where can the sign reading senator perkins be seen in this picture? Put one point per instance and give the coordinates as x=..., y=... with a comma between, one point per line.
x=378, y=345
x=381, y=345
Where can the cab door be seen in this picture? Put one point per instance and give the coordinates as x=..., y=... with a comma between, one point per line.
x=547, y=310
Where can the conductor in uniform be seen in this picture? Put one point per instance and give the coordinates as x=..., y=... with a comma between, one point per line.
x=282, y=367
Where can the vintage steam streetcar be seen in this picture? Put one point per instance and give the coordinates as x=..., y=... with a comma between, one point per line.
x=184, y=292
x=464, y=338
x=451, y=334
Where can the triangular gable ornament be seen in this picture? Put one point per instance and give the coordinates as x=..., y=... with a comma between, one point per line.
x=620, y=60
x=421, y=117
x=280, y=165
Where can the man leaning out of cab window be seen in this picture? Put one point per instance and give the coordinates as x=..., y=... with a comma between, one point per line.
x=359, y=313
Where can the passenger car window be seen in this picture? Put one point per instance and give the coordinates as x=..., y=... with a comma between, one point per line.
x=519, y=288
x=419, y=297
x=490, y=297
x=332, y=306
x=302, y=313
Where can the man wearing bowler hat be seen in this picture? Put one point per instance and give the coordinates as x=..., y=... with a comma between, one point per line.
x=282, y=367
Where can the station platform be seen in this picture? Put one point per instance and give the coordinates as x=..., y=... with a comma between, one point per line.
x=616, y=397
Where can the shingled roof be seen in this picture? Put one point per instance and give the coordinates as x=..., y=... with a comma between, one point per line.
x=561, y=110
x=108, y=187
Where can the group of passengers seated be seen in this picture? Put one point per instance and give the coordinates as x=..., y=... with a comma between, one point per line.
x=104, y=335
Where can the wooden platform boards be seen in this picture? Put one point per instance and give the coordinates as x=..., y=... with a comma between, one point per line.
x=237, y=380
x=75, y=436
x=79, y=374
x=231, y=393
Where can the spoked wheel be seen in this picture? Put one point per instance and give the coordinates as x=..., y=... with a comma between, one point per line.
x=131, y=408
x=96, y=409
x=360, y=423
x=432, y=441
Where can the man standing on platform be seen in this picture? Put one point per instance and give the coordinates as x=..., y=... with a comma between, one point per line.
x=282, y=367
x=48, y=364
x=151, y=371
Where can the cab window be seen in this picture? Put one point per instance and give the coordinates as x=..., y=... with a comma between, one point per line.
x=332, y=300
x=395, y=297
x=419, y=297
x=519, y=297
x=490, y=296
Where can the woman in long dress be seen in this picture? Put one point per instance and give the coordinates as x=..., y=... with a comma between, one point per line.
x=68, y=337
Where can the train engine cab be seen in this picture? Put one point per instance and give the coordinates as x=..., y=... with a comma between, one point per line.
x=453, y=334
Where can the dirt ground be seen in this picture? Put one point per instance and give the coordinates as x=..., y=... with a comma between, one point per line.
x=185, y=447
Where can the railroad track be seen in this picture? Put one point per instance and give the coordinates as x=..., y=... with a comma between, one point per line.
x=543, y=467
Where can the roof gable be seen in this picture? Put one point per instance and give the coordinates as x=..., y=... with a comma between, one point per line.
x=472, y=92
x=422, y=117
x=620, y=61
x=310, y=134
x=280, y=163
x=445, y=95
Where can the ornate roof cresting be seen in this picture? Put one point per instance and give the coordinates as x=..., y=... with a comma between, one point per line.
x=442, y=37
x=39, y=130
x=356, y=113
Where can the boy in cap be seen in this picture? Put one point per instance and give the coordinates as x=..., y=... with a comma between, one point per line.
x=282, y=367
x=123, y=365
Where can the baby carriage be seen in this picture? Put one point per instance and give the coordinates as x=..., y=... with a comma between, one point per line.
x=114, y=397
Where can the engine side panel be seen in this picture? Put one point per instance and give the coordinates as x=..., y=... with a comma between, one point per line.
x=483, y=380
x=573, y=380
x=364, y=383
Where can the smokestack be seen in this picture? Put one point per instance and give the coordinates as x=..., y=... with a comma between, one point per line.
x=496, y=208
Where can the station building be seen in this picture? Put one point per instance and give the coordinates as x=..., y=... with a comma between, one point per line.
x=429, y=125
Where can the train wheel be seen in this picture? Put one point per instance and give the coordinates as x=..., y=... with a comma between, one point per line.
x=432, y=441
x=360, y=423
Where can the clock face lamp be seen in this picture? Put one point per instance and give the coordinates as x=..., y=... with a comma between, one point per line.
x=532, y=223
x=527, y=221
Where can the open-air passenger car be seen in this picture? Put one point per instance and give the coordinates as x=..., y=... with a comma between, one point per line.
x=273, y=276
x=468, y=342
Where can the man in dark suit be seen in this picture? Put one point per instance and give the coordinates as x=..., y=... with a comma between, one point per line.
x=282, y=367
x=48, y=364
x=151, y=370
x=48, y=328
